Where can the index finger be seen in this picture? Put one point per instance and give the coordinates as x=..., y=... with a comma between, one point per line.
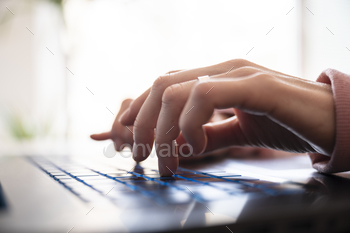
x=101, y=136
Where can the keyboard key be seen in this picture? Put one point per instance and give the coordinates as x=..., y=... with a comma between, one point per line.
x=87, y=173
x=120, y=175
x=152, y=186
x=175, y=197
x=94, y=177
x=211, y=172
x=195, y=176
x=93, y=197
x=105, y=181
x=149, y=172
x=210, y=180
x=125, y=187
x=156, y=175
x=60, y=176
x=133, y=179
x=108, y=188
x=208, y=193
x=221, y=174
x=229, y=186
x=241, y=178
x=57, y=173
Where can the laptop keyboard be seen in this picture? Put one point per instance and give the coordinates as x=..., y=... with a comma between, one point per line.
x=121, y=186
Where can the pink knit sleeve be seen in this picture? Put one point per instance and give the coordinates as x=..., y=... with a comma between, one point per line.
x=339, y=161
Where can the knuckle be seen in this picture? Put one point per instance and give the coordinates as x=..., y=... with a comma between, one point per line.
x=171, y=94
x=135, y=106
x=245, y=70
x=265, y=81
x=264, y=78
x=160, y=83
x=200, y=90
x=126, y=102
x=239, y=62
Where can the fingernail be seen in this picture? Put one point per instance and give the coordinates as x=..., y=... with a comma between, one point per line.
x=138, y=155
x=134, y=151
x=124, y=116
x=118, y=145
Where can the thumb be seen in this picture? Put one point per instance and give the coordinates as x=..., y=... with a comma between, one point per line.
x=101, y=136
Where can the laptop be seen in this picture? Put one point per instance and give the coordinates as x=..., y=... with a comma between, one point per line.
x=222, y=194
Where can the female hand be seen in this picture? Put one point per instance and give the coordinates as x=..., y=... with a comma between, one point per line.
x=272, y=110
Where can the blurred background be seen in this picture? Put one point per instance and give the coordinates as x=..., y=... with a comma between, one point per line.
x=65, y=66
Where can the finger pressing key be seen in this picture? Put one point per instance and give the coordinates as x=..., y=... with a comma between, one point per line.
x=173, y=101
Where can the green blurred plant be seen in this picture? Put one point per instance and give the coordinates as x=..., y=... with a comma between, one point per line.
x=24, y=5
x=25, y=128
x=18, y=129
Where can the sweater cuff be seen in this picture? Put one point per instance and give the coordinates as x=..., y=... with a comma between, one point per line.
x=340, y=158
